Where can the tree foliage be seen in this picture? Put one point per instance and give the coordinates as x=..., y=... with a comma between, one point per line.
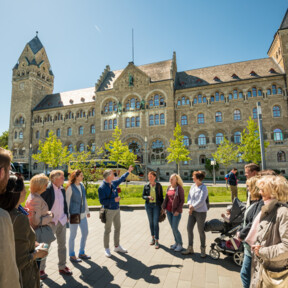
x=226, y=153
x=4, y=140
x=177, y=150
x=250, y=143
x=52, y=152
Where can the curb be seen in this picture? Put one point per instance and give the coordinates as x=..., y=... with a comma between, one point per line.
x=142, y=206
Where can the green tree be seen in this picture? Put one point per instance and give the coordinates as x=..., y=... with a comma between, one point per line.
x=250, y=143
x=52, y=152
x=177, y=150
x=4, y=140
x=118, y=151
x=226, y=153
x=209, y=167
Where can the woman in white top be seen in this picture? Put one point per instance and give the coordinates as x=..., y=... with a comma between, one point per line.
x=77, y=204
x=197, y=212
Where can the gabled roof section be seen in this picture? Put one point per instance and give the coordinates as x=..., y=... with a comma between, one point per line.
x=207, y=76
x=284, y=24
x=158, y=71
x=35, y=45
x=68, y=98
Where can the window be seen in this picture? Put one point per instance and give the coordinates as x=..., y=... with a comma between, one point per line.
x=239, y=158
x=222, y=98
x=249, y=95
x=81, y=130
x=281, y=157
x=133, y=122
x=15, y=135
x=132, y=103
x=199, y=98
x=186, y=141
x=105, y=125
x=183, y=100
x=110, y=124
x=156, y=101
x=46, y=134
x=81, y=147
x=158, y=152
x=179, y=103
x=212, y=99
x=138, y=121
x=93, y=148
x=230, y=96
x=69, y=131
x=114, y=123
x=278, y=135
x=37, y=135
x=200, y=118
x=204, y=99
x=259, y=92
x=254, y=92
x=237, y=114
x=202, y=159
x=21, y=120
x=274, y=91
x=184, y=120
x=235, y=94
x=58, y=132
x=217, y=97
x=240, y=95
x=110, y=109
x=70, y=148
x=195, y=101
x=156, y=119
x=201, y=140
x=237, y=137
x=92, y=129
x=219, y=138
x=279, y=91
x=255, y=113
x=138, y=105
x=162, y=119
x=127, y=125
x=276, y=111
x=151, y=120
x=268, y=91
x=218, y=116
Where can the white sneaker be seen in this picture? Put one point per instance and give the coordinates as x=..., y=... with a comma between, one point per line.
x=120, y=249
x=173, y=246
x=107, y=253
x=178, y=248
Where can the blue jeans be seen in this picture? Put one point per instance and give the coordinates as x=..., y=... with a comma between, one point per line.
x=153, y=212
x=246, y=271
x=73, y=232
x=174, y=223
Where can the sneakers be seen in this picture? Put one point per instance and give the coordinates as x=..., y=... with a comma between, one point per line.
x=157, y=244
x=178, y=248
x=120, y=249
x=43, y=275
x=189, y=250
x=173, y=247
x=203, y=252
x=152, y=242
x=107, y=253
x=66, y=271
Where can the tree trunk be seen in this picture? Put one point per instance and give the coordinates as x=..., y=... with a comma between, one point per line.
x=178, y=169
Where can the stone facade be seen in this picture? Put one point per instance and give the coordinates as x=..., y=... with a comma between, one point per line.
x=147, y=101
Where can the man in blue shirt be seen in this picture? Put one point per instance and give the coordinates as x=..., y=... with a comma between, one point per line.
x=232, y=181
x=109, y=198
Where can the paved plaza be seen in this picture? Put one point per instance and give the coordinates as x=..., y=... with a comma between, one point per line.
x=144, y=266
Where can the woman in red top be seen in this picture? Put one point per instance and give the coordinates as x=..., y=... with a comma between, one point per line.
x=173, y=205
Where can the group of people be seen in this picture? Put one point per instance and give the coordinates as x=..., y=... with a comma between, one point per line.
x=49, y=207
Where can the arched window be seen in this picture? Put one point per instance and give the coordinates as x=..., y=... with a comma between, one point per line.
x=114, y=123
x=204, y=99
x=268, y=91
x=93, y=147
x=219, y=138
x=184, y=120
x=237, y=137
x=281, y=157
x=240, y=95
x=58, y=132
x=106, y=125
x=254, y=113
x=158, y=152
x=92, y=129
x=278, y=135
x=183, y=100
x=81, y=147
x=46, y=134
x=179, y=102
x=110, y=124
x=21, y=120
x=93, y=112
x=162, y=119
x=218, y=116
x=133, y=122
x=69, y=131
x=230, y=96
x=201, y=118
x=15, y=135
x=137, y=121
x=274, y=90
x=235, y=94
x=151, y=120
x=249, y=94
x=156, y=100
x=279, y=91
x=212, y=99
x=127, y=124
x=195, y=101
x=186, y=141
x=201, y=140
x=276, y=111
x=199, y=98
x=81, y=130
x=259, y=92
x=217, y=97
x=237, y=114
x=132, y=103
x=187, y=101
x=110, y=106
x=202, y=159
x=254, y=92
x=222, y=98
x=70, y=148
x=156, y=119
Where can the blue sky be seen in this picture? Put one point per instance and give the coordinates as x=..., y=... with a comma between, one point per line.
x=82, y=37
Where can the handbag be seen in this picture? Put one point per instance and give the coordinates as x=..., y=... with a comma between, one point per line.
x=76, y=218
x=102, y=211
x=162, y=216
x=44, y=234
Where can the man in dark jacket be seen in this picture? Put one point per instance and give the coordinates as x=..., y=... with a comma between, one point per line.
x=232, y=181
x=109, y=198
x=56, y=200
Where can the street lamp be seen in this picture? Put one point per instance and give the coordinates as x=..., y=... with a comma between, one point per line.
x=213, y=163
x=259, y=115
x=30, y=154
x=146, y=162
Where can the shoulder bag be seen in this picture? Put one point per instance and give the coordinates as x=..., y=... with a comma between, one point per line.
x=76, y=218
x=102, y=211
x=44, y=234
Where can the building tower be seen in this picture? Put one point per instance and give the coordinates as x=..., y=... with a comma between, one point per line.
x=32, y=80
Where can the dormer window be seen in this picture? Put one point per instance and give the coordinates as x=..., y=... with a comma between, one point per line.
x=272, y=71
x=71, y=101
x=82, y=99
x=216, y=79
x=234, y=76
x=252, y=73
x=93, y=97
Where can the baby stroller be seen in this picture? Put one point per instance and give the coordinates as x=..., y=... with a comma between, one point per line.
x=226, y=244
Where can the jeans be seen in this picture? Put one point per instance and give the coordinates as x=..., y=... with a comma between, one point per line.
x=153, y=212
x=199, y=218
x=73, y=232
x=174, y=223
x=245, y=273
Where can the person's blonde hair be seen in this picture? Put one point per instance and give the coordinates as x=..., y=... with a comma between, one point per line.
x=179, y=181
x=55, y=174
x=38, y=183
x=253, y=189
x=276, y=186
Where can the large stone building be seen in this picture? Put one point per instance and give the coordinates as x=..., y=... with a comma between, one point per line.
x=147, y=101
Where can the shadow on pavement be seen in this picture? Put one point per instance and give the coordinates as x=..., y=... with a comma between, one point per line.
x=137, y=270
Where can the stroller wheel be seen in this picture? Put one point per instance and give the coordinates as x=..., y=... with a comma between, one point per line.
x=238, y=258
x=214, y=254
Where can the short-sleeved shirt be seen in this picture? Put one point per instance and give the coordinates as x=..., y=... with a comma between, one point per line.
x=171, y=195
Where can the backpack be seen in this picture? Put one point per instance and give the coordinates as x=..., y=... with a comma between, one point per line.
x=207, y=202
x=227, y=176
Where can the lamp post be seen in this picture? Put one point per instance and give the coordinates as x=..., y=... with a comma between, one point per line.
x=259, y=115
x=30, y=154
x=146, y=162
x=213, y=163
